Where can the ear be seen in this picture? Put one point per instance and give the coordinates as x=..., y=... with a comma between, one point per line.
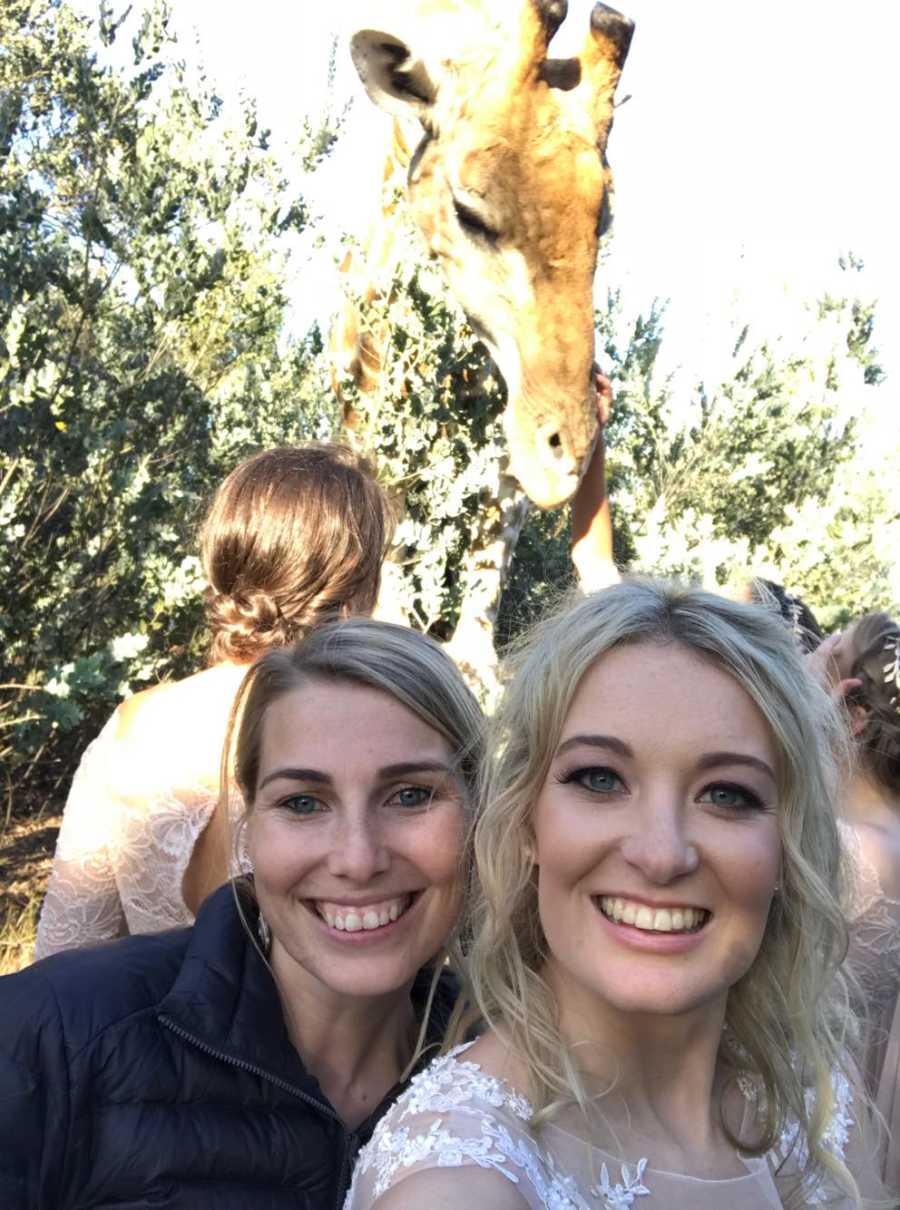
x=859, y=716
x=396, y=79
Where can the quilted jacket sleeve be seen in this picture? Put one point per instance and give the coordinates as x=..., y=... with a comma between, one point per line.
x=34, y=1094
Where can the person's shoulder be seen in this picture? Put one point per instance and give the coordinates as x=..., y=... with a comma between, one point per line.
x=160, y=705
x=878, y=845
x=469, y=1076
x=448, y=1189
x=172, y=733
x=89, y=990
x=454, y=1115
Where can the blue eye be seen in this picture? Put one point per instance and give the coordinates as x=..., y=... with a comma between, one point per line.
x=598, y=780
x=412, y=796
x=302, y=804
x=731, y=797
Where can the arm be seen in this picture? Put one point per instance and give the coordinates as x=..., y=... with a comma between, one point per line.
x=82, y=904
x=34, y=1095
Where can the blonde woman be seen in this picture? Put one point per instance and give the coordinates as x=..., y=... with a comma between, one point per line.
x=241, y=1062
x=657, y=937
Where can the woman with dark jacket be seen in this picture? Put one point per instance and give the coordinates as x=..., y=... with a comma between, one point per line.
x=244, y=1061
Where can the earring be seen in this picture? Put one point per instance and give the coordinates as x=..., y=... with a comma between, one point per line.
x=264, y=933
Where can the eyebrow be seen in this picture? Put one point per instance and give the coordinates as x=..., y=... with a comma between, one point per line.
x=710, y=760
x=609, y=742
x=294, y=774
x=713, y=760
x=403, y=769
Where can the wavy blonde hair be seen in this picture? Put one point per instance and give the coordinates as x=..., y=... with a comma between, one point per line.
x=788, y=1016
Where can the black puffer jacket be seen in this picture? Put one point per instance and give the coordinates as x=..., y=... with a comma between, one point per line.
x=157, y=1072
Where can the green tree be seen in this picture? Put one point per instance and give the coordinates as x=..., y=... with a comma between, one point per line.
x=778, y=469
x=145, y=242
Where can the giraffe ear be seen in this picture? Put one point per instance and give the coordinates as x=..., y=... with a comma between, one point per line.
x=395, y=78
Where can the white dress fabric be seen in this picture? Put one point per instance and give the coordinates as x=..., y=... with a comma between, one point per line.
x=874, y=958
x=122, y=852
x=453, y=1115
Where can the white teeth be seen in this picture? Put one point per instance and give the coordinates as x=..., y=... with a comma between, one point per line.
x=373, y=916
x=656, y=920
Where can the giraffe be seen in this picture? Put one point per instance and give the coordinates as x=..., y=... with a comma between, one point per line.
x=498, y=157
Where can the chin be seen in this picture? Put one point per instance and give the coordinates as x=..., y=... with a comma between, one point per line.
x=665, y=1000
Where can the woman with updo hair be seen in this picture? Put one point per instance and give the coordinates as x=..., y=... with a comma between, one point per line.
x=295, y=536
x=866, y=666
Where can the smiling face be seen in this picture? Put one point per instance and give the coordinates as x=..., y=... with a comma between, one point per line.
x=355, y=837
x=656, y=835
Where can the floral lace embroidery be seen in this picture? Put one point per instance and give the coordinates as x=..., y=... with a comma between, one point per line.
x=793, y=1144
x=120, y=860
x=622, y=1195
x=451, y=1086
x=470, y=1129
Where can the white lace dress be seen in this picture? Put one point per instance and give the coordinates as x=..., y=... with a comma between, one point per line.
x=123, y=848
x=454, y=1115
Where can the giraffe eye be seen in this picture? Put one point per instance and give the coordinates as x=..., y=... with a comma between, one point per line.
x=473, y=224
x=604, y=218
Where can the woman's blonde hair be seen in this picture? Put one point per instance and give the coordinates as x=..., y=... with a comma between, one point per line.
x=787, y=1016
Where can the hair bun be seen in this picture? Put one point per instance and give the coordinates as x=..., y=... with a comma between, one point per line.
x=876, y=662
x=246, y=623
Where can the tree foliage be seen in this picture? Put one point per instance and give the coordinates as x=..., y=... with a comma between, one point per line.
x=145, y=241
x=144, y=255
x=778, y=469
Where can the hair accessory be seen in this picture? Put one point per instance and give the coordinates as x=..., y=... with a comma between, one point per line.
x=892, y=668
x=795, y=610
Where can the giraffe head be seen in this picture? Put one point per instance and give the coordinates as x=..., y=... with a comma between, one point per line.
x=510, y=186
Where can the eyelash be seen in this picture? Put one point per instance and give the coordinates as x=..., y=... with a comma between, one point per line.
x=579, y=776
x=752, y=802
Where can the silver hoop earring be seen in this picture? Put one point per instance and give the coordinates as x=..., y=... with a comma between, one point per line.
x=264, y=933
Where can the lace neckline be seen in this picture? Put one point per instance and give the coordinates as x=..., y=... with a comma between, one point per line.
x=502, y=1095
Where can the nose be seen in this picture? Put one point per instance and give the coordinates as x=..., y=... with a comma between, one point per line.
x=658, y=845
x=358, y=853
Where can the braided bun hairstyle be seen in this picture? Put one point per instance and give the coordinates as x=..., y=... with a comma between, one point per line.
x=875, y=659
x=295, y=536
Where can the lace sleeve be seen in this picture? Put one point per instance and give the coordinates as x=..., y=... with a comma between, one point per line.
x=454, y=1116
x=82, y=905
